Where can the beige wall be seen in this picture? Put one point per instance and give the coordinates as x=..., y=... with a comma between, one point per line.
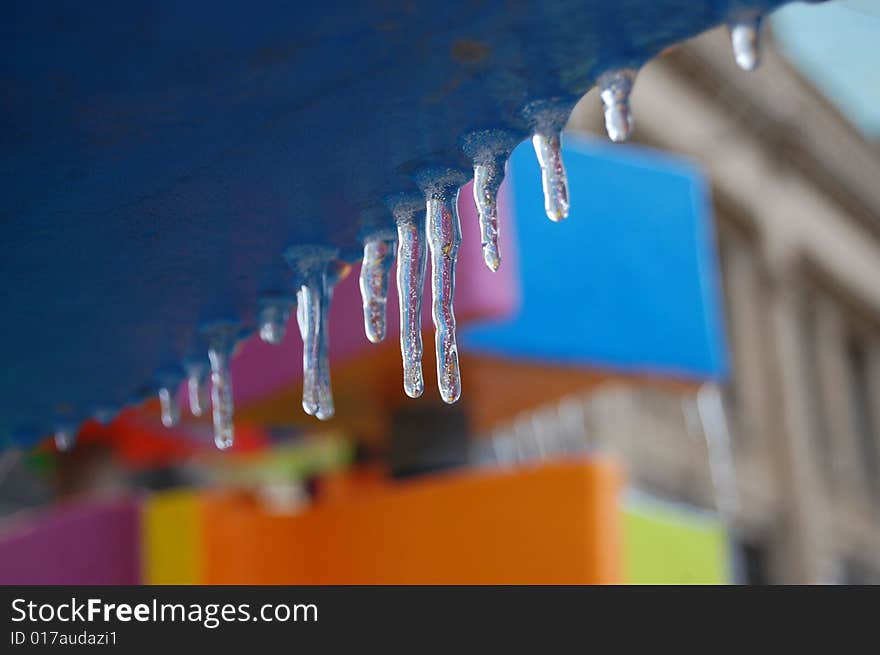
x=798, y=205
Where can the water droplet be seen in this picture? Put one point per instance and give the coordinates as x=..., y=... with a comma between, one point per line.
x=376, y=267
x=548, y=148
x=487, y=180
x=412, y=258
x=444, y=238
x=318, y=273
x=195, y=389
x=221, y=340
x=65, y=439
x=745, y=31
x=169, y=409
x=273, y=314
x=615, y=87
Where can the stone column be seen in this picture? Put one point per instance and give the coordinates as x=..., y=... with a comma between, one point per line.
x=803, y=534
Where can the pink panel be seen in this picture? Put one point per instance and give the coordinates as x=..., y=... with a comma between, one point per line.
x=88, y=543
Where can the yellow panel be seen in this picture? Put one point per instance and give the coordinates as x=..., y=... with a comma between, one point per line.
x=172, y=538
x=668, y=544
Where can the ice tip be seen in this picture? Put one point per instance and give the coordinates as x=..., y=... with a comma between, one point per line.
x=491, y=258
x=65, y=439
x=744, y=38
x=615, y=87
x=554, y=181
x=273, y=312
x=324, y=414
x=377, y=334
x=414, y=388
x=310, y=407
x=375, y=273
x=170, y=412
x=488, y=177
x=271, y=333
x=195, y=372
x=451, y=394
x=547, y=118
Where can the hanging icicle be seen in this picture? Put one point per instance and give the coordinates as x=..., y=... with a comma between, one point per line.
x=221, y=338
x=375, y=270
x=443, y=229
x=615, y=87
x=412, y=258
x=745, y=32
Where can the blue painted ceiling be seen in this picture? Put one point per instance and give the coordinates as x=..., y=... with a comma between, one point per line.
x=158, y=158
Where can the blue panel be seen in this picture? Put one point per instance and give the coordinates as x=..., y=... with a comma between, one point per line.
x=158, y=157
x=628, y=281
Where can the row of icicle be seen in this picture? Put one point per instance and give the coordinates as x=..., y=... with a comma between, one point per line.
x=317, y=271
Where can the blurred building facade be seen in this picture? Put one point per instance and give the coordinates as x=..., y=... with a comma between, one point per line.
x=796, y=191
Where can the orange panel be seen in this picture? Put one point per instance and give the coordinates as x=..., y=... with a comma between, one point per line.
x=555, y=523
x=342, y=486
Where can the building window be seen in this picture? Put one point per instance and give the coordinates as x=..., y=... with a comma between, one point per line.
x=813, y=386
x=754, y=563
x=746, y=332
x=860, y=396
x=857, y=572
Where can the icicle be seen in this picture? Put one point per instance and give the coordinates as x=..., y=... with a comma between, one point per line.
x=487, y=180
x=444, y=239
x=548, y=148
x=319, y=275
x=168, y=407
x=65, y=439
x=489, y=150
x=547, y=118
x=195, y=390
x=104, y=415
x=336, y=271
x=273, y=314
x=300, y=313
x=376, y=267
x=615, y=87
x=221, y=340
x=745, y=31
x=411, y=264
x=309, y=299
x=222, y=406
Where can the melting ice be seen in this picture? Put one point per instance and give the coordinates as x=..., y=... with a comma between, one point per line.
x=744, y=34
x=375, y=270
x=444, y=238
x=614, y=89
x=412, y=261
